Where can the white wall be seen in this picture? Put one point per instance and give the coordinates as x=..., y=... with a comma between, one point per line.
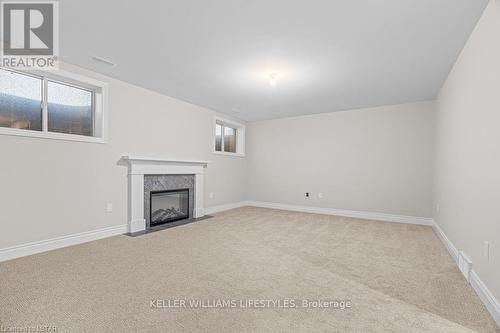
x=467, y=169
x=55, y=188
x=374, y=160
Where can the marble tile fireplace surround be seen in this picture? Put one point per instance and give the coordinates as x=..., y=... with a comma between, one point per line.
x=163, y=172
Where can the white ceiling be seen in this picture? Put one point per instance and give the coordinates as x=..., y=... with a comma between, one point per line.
x=331, y=54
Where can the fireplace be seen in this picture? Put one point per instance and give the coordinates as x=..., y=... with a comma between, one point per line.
x=146, y=174
x=168, y=206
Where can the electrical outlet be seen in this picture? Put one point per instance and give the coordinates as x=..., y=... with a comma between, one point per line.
x=320, y=195
x=437, y=208
x=109, y=207
x=307, y=194
x=211, y=195
x=486, y=249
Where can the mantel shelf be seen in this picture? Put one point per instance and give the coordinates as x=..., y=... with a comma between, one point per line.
x=132, y=159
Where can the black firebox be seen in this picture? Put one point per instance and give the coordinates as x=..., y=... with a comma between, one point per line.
x=168, y=206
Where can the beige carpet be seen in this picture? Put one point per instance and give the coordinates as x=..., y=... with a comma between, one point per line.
x=398, y=277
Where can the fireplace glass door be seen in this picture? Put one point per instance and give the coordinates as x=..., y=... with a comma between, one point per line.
x=169, y=206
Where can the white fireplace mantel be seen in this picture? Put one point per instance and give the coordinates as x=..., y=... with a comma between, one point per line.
x=139, y=166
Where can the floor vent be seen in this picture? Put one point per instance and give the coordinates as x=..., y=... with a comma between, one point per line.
x=464, y=264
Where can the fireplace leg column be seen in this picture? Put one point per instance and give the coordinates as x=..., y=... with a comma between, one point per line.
x=136, y=203
x=199, y=211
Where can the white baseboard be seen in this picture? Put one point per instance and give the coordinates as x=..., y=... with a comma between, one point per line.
x=447, y=243
x=486, y=296
x=345, y=213
x=59, y=242
x=481, y=289
x=221, y=208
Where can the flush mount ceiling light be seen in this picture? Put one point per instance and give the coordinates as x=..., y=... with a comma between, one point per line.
x=273, y=79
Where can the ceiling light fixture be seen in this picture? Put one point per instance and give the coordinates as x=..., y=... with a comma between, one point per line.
x=273, y=79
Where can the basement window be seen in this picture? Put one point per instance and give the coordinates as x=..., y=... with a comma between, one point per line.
x=229, y=138
x=58, y=105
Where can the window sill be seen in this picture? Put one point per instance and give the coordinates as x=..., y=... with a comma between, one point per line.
x=50, y=135
x=229, y=154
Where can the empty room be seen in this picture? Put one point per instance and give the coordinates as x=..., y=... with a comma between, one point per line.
x=250, y=166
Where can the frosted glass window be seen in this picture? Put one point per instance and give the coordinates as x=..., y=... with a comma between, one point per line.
x=218, y=137
x=229, y=139
x=69, y=109
x=20, y=101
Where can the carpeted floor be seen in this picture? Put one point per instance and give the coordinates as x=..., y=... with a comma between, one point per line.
x=398, y=278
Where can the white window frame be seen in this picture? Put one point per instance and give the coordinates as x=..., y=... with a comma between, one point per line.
x=240, y=137
x=100, y=110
